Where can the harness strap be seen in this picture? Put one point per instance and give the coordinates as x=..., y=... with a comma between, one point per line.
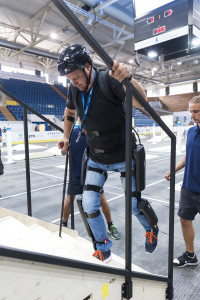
x=93, y=215
x=91, y=187
x=71, y=119
x=98, y=171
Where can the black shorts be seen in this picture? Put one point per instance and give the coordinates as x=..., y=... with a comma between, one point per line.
x=189, y=204
x=77, y=187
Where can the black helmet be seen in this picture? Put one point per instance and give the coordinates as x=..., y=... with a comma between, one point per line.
x=72, y=58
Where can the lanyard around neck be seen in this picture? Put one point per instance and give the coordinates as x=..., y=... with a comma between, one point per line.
x=87, y=103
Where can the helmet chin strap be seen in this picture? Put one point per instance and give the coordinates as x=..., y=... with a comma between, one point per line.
x=88, y=78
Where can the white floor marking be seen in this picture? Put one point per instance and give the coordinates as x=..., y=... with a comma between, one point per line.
x=164, y=149
x=32, y=191
x=60, y=166
x=150, y=156
x=161, y=201
x=45, y=174
x=153, y=183
x=178, y=186
x=20, y=147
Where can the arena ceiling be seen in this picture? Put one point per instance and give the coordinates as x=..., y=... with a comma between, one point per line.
x=26, y=27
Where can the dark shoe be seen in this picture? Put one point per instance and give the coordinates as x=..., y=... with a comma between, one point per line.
x=113, y=232
x=151, y=240
x=103, y=256
x=64, y=224
x=185, y=260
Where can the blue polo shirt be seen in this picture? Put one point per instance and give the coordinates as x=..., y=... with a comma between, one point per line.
x=191, y=180
x=77, y=152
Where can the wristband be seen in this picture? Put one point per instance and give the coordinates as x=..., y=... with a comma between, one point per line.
x=130, y=77
x=71, y=119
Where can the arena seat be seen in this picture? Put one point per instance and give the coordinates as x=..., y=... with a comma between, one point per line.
x=39, y=96
x=2, y=118
x=62, y=89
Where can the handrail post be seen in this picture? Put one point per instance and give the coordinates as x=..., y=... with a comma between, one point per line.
x=71, y=186
x=171, y=218
x=28, y=181
x=128, y=189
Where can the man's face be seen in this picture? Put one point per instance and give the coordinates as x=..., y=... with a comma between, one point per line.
x=78, y=79
x=194, y=109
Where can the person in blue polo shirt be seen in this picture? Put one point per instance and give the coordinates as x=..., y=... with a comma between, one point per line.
x=189, y=204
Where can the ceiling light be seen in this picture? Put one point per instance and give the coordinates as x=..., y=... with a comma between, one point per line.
x=53, y=35
x=130, y=61
x=179, y=63
x=152, y=54
x=196, y=42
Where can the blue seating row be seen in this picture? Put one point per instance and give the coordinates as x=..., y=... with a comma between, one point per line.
x=2, y=118
x=39, y=96
x=62, y=89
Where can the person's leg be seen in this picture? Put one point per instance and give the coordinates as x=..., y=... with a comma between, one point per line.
x=188, y=234
x=188, y=257
x=67, y=209
x=105, y=208
x=91, y=204
x=187, y=212
x=188, y=208
x=106, y=211
x=77, y=188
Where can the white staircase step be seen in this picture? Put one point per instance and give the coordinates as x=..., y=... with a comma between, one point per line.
x=38, y=239
x=33, y=280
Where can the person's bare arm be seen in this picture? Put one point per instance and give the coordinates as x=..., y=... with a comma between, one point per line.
x=68, y=125
x=179, y=166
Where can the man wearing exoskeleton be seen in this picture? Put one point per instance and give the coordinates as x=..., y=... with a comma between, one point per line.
x=103, y=118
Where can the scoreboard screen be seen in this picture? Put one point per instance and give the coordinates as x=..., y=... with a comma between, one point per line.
x=142, y=7
x=166, y=26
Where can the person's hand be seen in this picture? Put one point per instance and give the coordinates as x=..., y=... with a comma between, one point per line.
x=167, y=175
x=119, y=71
x=63, y=144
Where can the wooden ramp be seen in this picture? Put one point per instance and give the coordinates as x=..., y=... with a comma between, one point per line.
x=22, y=279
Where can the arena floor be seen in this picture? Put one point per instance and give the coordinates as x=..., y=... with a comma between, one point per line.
x=47, y=171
